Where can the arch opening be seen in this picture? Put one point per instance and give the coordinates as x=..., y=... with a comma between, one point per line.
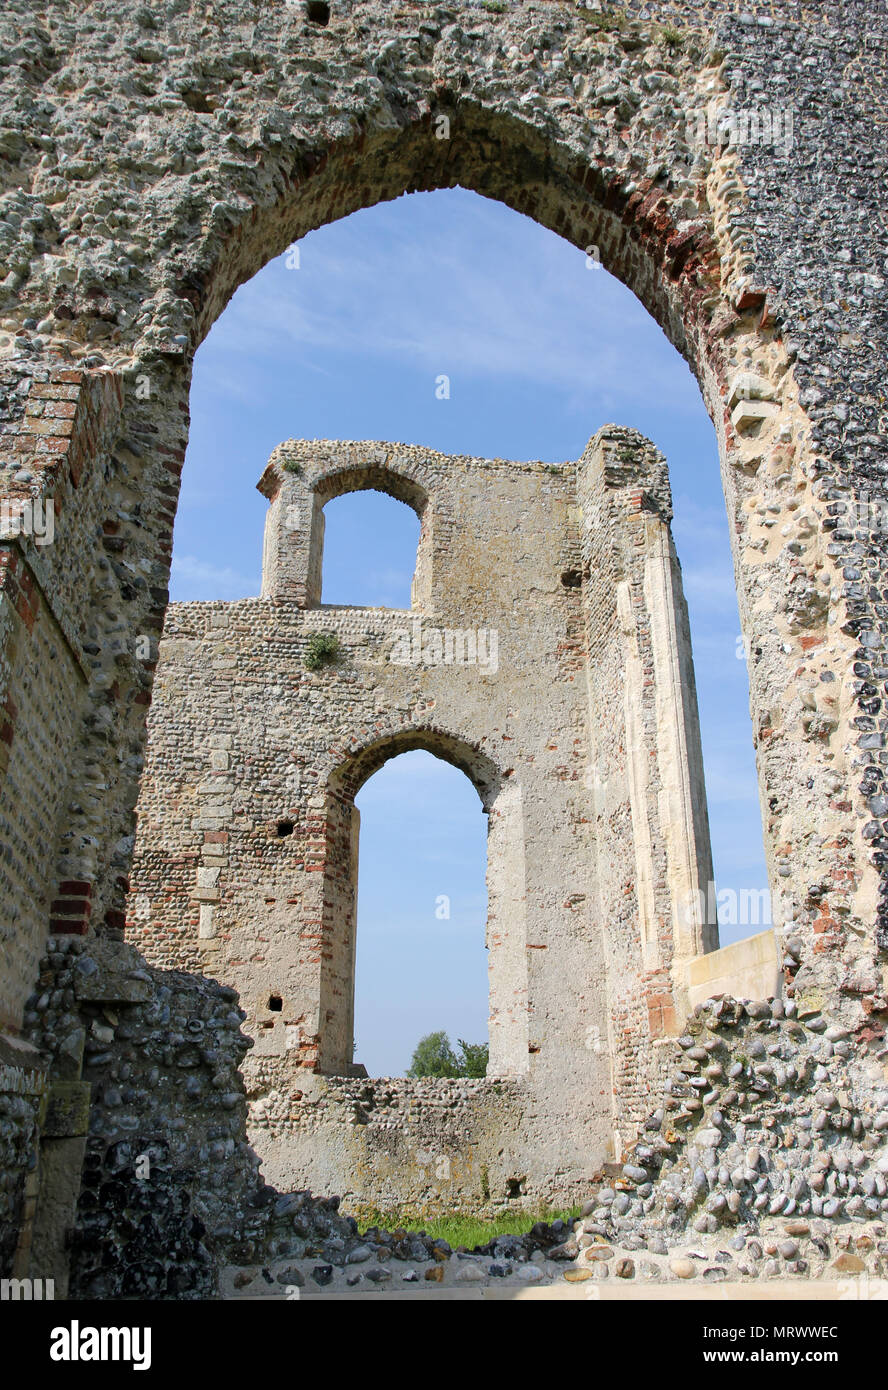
x=506, y=966
x=727, y=750
x=421, y=960
x=332, y=910
x=386, y=536
x=628, y=221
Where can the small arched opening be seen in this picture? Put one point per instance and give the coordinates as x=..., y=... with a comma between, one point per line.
x=383, y=516
x=504, y=935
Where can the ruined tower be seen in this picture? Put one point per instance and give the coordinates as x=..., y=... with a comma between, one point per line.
x=557, y=673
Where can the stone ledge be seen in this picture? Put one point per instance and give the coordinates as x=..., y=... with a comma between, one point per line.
x=747, y=969
x=108, y=987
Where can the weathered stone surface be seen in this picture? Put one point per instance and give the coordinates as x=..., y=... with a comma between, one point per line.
x=67, y=1113
x=490, y=658
x=152, y=162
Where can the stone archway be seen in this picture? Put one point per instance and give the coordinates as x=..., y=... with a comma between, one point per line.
x=506, y=934
x=666, y=227
x=118, y=269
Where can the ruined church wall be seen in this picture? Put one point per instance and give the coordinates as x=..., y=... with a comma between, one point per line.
x=244, y=738
x=244, y=856
x=645, y=777
x=226, y=155
x=53, y=523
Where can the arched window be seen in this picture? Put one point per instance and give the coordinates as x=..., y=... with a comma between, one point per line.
x=370, y=544
x=421, y=959
x=422, y=955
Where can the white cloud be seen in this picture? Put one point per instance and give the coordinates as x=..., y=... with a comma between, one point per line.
x=193, y=578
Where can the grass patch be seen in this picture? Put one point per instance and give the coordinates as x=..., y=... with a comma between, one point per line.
x=607, y=21
x=672, y=37
x=461, y=1229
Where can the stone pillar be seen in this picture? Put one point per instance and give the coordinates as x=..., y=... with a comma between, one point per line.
x=337, y=962
x=683, y=813
x=293, y=549
x=654, y=860
x=507, y=935
x=352, y=922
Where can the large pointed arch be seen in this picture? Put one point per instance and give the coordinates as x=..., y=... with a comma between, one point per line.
x=660, y=229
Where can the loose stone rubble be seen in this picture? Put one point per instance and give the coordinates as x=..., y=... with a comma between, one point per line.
x=767, y=1156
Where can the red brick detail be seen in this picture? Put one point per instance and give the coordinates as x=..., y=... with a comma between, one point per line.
x=63, y=420
x=76, y=888
x=662, y=1018
x=71, y=907
x=67, y=926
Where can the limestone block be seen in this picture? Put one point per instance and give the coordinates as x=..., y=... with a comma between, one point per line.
x=747, y=969
x=747, y=413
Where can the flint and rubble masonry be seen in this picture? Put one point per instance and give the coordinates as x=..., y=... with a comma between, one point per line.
x=588, y=123
x=246, y=856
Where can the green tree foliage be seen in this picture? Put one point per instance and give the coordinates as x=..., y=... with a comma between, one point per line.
x=472, y=1059
x=433, y=1056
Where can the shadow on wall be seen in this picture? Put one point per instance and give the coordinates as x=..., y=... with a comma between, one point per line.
x=171, y=1188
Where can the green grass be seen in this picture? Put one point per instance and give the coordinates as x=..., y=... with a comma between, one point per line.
x=671, y=36
x=605, y=20
x=461, y=1229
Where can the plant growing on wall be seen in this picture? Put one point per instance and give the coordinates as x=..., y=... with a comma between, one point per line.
x=323, y=650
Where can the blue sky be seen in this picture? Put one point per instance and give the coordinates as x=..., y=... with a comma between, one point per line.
x=540, y=351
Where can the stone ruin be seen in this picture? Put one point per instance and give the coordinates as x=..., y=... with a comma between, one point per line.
x=547, y=654
x=151, y=160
